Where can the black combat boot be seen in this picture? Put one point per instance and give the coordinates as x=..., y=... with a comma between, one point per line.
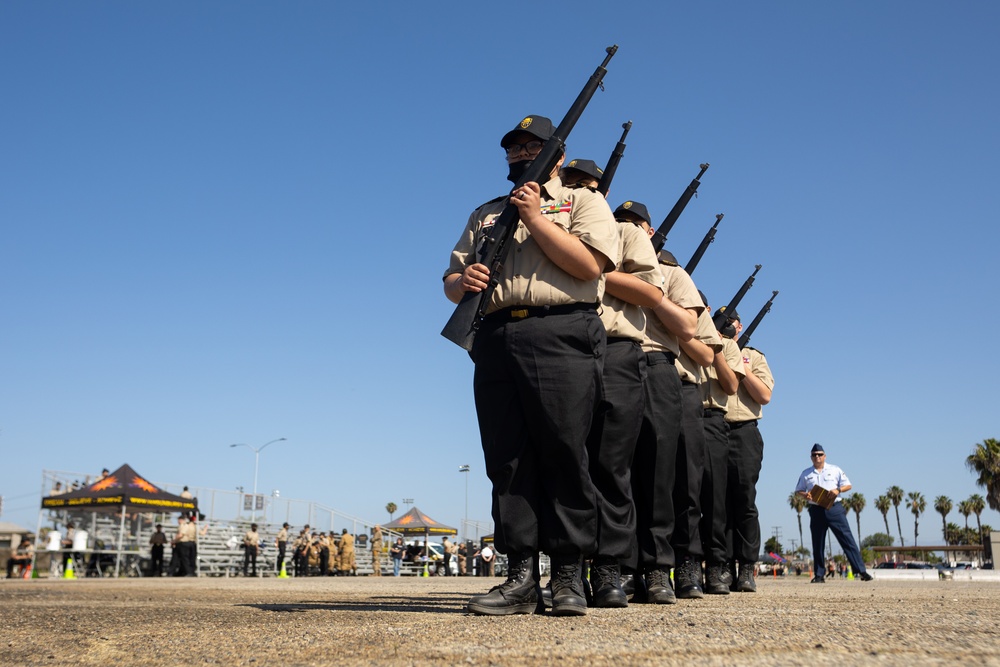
x=745, y=582
x=658, y=588
x=568, y=598
x=715, y=583
x=729, y=576
x=687, y=579
x=605, y=579
x=517, y=595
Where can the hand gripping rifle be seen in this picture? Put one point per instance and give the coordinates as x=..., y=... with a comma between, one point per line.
x=464, y=322
x=660, y=237
x=721, y=319
x=705, y=242
x=612, y=166
x=745, y=337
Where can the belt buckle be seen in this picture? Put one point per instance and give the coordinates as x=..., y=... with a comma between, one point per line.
x=518, y=313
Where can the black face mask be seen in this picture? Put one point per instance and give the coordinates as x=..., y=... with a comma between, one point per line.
x=515, y=170
x=729, y=331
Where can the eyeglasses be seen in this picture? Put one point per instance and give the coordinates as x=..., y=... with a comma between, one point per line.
x=531, y=148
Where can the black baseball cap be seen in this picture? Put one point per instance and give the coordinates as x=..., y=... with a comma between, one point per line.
x=588, y=167
x=634, y=208
x=733, y=315
x=539, y=126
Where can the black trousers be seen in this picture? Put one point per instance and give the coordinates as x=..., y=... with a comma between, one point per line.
x=156, y=559
x=281, y=555
x=654, y=465
x=611, y=447
x=537, y=384
x=746, y=454
x=250, y=557
x=713, y=487
x=690, y=474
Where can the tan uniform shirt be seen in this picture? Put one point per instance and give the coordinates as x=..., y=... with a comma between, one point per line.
x=714, y=396
x=687, y=368
x=620, y=318
x=251, y=539
x=529, y=277
x=679, y=288
x=741, y=407
x=282, y=535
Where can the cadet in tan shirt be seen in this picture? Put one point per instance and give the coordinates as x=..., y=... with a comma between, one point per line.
x=719, y=379
x=746, y=454
x=654, y=465
x=636, y=282
x=251, y=544
x=539, y=356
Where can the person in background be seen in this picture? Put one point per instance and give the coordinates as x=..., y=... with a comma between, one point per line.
x=831, y=478
x=396, y=553
x=377, y=551
x=251, y=545
x=157, y=541
x=22, y=556
x=281, y=541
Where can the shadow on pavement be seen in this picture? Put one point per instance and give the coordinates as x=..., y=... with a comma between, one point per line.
x=440, y=603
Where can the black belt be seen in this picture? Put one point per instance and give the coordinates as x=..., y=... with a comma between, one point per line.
x=660, y=357
x=734, y=425
x=712, y=412
x=514, y=313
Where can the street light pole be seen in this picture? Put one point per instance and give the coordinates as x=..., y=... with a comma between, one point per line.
x=465, y=521
x=256, y=469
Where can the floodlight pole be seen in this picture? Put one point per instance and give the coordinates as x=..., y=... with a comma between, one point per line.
x=256, y=468
x=465, y=521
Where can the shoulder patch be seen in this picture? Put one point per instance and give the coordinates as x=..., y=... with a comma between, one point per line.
x=564, y=206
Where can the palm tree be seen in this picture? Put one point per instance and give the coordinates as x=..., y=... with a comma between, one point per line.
x=942, y=505
x=965, y=509
x=917, y=505
x=858, y=503
x=391, y=508
x=896, y=496
x=985, y=462
x=952, y=534
x=977, y=505
x=798, y=503
x=882, y=504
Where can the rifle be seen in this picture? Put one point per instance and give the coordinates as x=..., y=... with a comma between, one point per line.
x=464, y=322
x=709, y=238
x=745, y=336
x=721, y=319
x=660, y=237
x=612, y=166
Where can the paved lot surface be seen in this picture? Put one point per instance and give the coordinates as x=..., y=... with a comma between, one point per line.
x=413, y=621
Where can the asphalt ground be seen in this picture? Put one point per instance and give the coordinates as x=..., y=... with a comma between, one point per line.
x=422, y=621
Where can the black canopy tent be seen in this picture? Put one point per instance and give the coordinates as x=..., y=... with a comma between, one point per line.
x=122, y=490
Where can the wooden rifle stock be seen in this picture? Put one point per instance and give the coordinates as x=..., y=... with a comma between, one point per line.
x=660, y=236
x=612, y=166
x=705, y=242
x=464, y=322
x=721, y=319
x=745, y=336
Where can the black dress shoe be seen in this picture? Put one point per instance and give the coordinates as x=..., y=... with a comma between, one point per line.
x=864, y=576
x=818, y=580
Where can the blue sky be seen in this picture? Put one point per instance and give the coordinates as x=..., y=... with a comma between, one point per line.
x=227, y=223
